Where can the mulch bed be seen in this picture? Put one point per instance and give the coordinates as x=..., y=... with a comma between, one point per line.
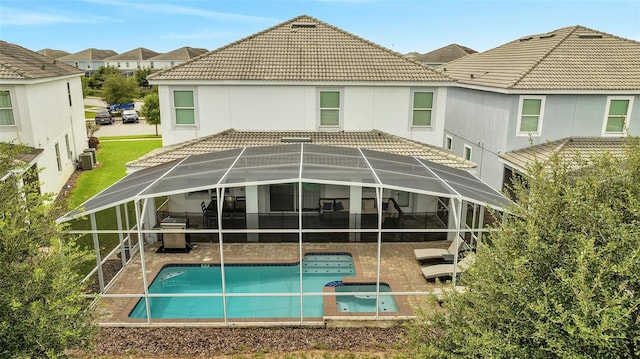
x=217, y=342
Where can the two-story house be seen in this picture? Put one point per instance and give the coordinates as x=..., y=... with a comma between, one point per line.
x=176, y=57
x=89, y=59
x=571, y=83
x=302, y=74
x=41, y=106
x=132, y=60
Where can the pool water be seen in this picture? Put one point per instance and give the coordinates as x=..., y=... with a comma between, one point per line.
x=317, y=270
x=364, y=302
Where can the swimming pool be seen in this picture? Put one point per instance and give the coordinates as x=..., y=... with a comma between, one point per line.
x=318, y=269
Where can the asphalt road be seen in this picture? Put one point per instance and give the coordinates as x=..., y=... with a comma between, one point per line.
x=119, y=128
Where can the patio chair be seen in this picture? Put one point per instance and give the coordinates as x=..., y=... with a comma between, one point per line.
x=438, y=253
x=446, y=270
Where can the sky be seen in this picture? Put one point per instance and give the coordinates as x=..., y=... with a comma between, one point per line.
x=400, y=25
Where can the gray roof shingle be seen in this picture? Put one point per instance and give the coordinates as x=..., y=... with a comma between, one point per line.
x=139, y=53
x=18, y=63
x=570, y=58
x=302, y=49
x=89, y=55
x=54, y=54
x=231, y=139
x=444, y=54
x=181, y=54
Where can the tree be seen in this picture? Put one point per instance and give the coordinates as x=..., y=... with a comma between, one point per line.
x=119, y=89
x=559, y=277
x=141, y=76
x=151, y=110
x=96, y=80
x=43, y=308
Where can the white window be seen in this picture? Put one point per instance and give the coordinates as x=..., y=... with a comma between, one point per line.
x=184, y=107
x=6, y=109
x=69, y=93
x=467, y=152
x=449, y=142
x=422, y=108
x=330, y=112
x=530, y=113
x=66, y=140
x=58, y=159
x=617, y=113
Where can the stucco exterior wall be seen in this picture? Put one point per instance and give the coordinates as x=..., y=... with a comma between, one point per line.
x=487, y=122
x=295, y=107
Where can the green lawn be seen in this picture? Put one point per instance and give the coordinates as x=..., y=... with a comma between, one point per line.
x=112, y=157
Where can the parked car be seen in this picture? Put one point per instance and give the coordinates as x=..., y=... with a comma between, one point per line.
x=104, y=117
x=129, y=116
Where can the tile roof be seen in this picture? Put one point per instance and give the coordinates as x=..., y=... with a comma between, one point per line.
x=136, y=54
x=231, y=139
x=54, y=54
x=302, y=49
x=570, y=58
x=181, y=54
x=18, y=63
x=444, y=54
x=91, y=54
x=569, y=148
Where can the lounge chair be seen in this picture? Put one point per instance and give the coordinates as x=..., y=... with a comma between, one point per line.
x=437, y=253
x=446, y=270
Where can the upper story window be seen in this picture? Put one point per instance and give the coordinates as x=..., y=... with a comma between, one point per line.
x=6, y=109
x=422, y=109
x=330, y=108
x=530, y=113
x=58, y=159
x=467, y=152
x=617, y=115
x=449, y=142
x=184, y=108
x=69, y=93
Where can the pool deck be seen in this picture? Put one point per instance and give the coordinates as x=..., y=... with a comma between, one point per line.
x=398, y=263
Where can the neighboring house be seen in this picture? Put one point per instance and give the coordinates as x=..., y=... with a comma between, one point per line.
x=41, y=106
x=305, y=75
x=132, y=60
x=570, y=82
x=54, y=54
x=89, y=59
x=443, y=55
x=176, y=57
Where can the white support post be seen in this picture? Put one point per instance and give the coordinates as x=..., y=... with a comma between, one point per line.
x=143, y=266
x=456, y=207
x=96, y=248
x=379, y=262
x=355, y=209
x=220, y=204
x=123, y=257
x=251, y=193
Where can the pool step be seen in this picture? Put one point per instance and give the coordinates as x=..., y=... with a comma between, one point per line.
x=327, y=264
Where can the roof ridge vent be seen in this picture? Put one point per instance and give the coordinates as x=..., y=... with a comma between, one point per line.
x=547, y=35
x=590, y=35
x=305, y=25
x=527, y=38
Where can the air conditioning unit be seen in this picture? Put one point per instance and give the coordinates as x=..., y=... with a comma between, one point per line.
x=92, y=151
x=86, y=160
